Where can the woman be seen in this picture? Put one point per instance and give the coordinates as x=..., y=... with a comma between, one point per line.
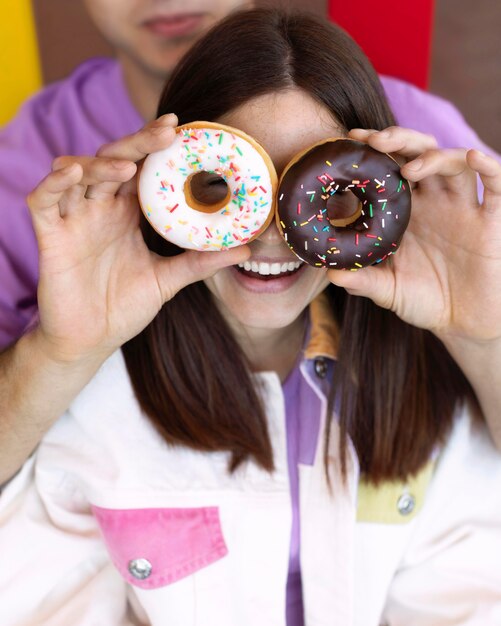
x=227, y=451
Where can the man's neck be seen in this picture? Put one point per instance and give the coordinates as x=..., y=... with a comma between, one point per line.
x=144, y=88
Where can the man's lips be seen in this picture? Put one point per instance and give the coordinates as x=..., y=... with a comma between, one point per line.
x=175, y=25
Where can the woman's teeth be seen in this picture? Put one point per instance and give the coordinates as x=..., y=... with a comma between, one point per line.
x=265, y=269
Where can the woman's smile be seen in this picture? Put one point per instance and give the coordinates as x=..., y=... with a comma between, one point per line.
x=268, y=275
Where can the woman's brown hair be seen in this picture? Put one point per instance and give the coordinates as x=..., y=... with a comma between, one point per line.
x=396, y=384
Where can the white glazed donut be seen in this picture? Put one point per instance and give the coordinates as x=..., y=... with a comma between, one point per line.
x=166, y=197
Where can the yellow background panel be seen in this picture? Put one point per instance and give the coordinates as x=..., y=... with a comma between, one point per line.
x=20, y=73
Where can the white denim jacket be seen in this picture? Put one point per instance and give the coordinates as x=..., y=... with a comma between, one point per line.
x=107, y=525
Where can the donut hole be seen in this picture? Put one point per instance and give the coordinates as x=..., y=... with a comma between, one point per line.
x=343, y=208
x=206, y=192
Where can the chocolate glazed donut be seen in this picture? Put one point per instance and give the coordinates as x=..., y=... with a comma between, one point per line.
x=343, y=205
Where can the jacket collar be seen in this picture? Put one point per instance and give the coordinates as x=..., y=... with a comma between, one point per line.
x=324, y=330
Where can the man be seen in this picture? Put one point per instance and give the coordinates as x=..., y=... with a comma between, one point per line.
x=104, y=100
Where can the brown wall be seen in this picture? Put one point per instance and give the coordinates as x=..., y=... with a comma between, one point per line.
x=466, y=64
x=61, y=49
x=466, y=67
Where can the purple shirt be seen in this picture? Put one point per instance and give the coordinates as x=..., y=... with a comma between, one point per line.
x=91, y=107
x=303, y=413
x=74, y=116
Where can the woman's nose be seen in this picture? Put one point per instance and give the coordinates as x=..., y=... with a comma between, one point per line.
x=271, y=236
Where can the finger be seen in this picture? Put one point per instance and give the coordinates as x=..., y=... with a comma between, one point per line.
x=450, y=165
x=489, y=171
x=75, y=194
x=402, y=141
x=130, y=187
x=97, y=170
x=104, y=190
x=175, y=273
x=102, y=177
x=154, y=136
x=361, y=134
x=72, y=200
x=43, y=202
x=376, y=283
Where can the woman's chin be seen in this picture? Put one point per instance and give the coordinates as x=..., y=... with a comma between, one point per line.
x=265, y=302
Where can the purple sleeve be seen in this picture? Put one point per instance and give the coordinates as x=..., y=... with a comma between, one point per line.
x=24, y=161
x=74, y=116
x=425, y=112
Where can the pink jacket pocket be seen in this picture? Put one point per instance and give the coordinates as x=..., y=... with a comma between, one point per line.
x=156, y=547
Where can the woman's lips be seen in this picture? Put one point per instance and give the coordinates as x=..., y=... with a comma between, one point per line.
x=175, y=25
x=257, y=283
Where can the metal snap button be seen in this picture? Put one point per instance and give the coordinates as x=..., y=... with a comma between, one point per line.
x=320, y=367
x=406, y=504
x=140, y=568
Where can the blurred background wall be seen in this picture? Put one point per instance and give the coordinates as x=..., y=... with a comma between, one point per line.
x=465, y=54
x=466, y=62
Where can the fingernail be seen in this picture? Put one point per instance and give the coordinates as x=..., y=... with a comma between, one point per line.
x=384, y=134
x=415, y=165
x=68, y=169
x=158, y=130
x=169, y=118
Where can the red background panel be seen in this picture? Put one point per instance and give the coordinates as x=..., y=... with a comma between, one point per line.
x=395, y=34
